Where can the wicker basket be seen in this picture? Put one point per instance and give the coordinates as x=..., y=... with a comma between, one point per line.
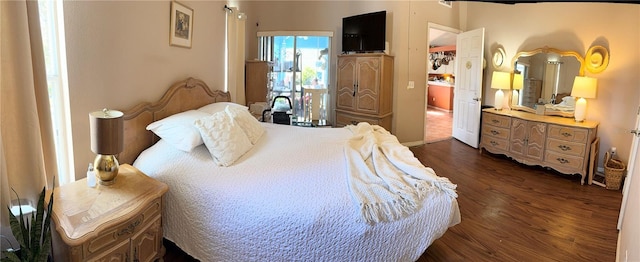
x=613, y=171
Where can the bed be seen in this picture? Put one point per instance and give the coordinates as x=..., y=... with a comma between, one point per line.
x=286, y=199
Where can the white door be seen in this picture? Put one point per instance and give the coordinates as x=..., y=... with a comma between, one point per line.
x=468, y=90
x=632, y=169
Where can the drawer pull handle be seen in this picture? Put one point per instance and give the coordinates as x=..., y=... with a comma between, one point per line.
x=564, y=148
x=495, y=121
x=493, y=143
x=354, y=122
x=130, y=228
x=565, y=134
x=562, y=160
x=494, y=132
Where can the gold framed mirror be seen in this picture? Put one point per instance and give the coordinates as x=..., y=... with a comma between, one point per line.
x=548, y=76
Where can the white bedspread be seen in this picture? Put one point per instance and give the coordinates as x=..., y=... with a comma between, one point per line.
x=287, y=199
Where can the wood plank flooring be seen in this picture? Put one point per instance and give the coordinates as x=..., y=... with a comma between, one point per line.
x=512, y=212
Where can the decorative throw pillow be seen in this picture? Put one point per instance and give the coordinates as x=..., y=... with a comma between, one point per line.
x=249, y=124
x=178, y=129
x=220, y=106
x=224, y=139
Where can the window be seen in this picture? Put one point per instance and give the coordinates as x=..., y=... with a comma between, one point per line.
x=52, y=27
x=300, y=61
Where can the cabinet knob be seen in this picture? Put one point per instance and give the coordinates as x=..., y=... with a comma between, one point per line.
x=565, y=134
x=562, y=160
x=495, y=132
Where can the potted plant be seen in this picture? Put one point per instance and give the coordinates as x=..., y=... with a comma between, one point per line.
x=35, y=237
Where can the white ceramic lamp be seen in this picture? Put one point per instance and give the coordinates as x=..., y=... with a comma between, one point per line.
x=583, y=87
x=500, y=80
x=518, y=82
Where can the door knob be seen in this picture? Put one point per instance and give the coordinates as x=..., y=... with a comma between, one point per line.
x=476, y=99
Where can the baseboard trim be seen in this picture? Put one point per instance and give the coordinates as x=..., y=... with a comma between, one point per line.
x=413, y=143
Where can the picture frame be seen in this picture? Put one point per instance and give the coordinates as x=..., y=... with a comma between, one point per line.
x=181, y=27
x=445, y=3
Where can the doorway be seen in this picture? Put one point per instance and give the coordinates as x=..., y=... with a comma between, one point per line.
x=441, y=67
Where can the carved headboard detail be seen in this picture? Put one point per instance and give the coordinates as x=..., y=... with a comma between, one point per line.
x=182, y=96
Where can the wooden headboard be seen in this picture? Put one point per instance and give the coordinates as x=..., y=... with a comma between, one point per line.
x=182, y=96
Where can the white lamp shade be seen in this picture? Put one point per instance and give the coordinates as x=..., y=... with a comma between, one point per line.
x=518, y=81
x=584, y=86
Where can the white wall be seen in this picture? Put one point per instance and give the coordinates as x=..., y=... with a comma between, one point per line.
x=119, y=55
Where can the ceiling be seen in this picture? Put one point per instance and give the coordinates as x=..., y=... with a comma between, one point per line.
x=439, y=37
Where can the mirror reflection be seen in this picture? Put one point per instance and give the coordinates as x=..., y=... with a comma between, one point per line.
x=547, y=75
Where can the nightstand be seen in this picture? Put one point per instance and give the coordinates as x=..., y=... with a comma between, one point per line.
x=121, y=222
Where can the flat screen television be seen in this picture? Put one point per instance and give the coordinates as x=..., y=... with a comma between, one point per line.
x=364, y=33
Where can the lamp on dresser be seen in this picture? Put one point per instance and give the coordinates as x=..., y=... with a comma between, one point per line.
x=500, y=80
x=583, y=87
x=518, y=81
x=107, y=140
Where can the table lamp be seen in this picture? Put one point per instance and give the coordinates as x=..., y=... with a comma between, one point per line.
x=500, y=80
x=106, y=141
x=518, y=82
x=583, y=87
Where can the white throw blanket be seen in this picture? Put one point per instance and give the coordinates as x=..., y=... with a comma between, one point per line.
x=385, y=179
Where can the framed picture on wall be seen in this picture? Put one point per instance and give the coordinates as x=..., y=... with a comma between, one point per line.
x=445, y=3
x=181, y=31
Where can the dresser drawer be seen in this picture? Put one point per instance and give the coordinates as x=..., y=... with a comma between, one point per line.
x=496, y=132
x=345, y=119
x=564, y=162
x=492, y=143
x=564, y=147
x=123, y=231
x=496, y=120
x=569, y=134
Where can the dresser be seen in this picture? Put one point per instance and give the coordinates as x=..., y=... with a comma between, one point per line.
x=121, y=222
x=365, y=90
x=257, y=79
x=549, y=141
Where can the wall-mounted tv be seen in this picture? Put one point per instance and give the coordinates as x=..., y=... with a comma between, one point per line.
x=364, y=33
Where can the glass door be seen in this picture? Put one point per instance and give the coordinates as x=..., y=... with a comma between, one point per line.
x=300, y=73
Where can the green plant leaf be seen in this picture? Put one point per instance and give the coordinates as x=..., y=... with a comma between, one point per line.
x=36, y=226
x=16, y=228
x=10, y=257
x=21, y=226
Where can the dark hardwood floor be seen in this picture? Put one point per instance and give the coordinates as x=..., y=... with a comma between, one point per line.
x=513, y=212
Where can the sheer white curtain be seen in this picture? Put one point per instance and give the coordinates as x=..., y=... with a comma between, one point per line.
x=235, y=54
x=27, y=153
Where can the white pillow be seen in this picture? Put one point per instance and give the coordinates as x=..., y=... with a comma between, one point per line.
x=224, y=139
x=178, y=129
x=219, y=107
x=249, y=124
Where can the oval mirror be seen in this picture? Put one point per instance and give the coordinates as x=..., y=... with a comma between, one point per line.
x=547, y=74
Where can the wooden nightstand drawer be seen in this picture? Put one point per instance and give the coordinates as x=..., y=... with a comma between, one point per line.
x=124, y=230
